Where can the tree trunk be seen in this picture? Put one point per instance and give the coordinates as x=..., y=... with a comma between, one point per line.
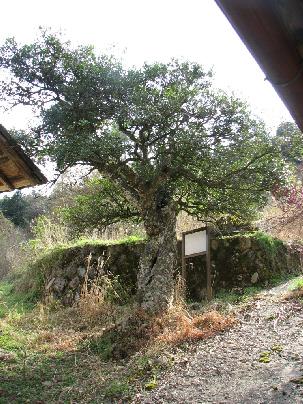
x=159, y=260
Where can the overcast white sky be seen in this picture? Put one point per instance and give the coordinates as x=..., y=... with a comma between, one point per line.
x=149, y=30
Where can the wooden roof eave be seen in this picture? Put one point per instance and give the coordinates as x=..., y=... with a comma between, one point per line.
x=17, y=170
x=261, y=28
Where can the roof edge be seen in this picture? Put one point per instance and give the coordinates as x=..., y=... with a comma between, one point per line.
x=36, y=173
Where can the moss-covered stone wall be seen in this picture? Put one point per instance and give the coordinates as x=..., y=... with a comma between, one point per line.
x=255, y=259
x=236, y=262
x=252, y=259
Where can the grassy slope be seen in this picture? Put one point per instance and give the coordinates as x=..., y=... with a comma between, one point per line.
x=53, y=354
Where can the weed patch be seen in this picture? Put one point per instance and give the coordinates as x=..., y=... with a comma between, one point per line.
x=117, y=390
x=264, y=357
x=237, y=296
x=296, y=290
x=101, y=346
x=13, y=303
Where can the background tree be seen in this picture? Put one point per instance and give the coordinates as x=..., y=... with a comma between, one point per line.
x=289, y=137
x=161, y=136
x=98, y=203
x=14, y=208
x=22, y=209
x=282, y=217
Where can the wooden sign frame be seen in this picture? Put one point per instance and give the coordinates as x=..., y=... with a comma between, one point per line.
x=207, y=253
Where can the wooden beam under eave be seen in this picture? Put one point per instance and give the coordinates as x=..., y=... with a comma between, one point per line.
x=20, y=159
x=6, y=181
x=9, y=152
x=4, y=159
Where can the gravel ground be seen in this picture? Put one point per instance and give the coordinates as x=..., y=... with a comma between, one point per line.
x=227, y=368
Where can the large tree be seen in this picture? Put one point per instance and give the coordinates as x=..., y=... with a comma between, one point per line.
x=161, y=135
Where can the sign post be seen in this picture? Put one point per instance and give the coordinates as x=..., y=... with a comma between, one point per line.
x=195, y=243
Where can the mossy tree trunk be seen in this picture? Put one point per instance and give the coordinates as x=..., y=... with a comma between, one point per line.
x=159, y=260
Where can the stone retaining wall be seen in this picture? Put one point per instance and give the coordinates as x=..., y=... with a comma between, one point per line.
x=243, y=261
x=236, y=262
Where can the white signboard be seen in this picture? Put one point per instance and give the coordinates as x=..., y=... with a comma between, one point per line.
x=195, y=243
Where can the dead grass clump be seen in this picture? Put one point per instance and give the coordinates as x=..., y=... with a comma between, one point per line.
x=91, y=314
x=139, y=331
x=94, y=306
x=56, y=340
x=295, y=294
x=102, y=298
x=179, y=326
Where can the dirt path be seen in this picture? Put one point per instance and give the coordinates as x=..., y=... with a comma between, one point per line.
x=227, y=368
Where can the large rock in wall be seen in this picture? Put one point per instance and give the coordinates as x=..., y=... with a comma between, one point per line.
x=236, y=262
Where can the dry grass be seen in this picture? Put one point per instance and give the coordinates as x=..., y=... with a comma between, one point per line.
x=55, y=340
x=13, y=254
x=96, y=300
x=179, y=326
x=51, y=327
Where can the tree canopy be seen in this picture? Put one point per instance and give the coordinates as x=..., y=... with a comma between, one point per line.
x=162, y=127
